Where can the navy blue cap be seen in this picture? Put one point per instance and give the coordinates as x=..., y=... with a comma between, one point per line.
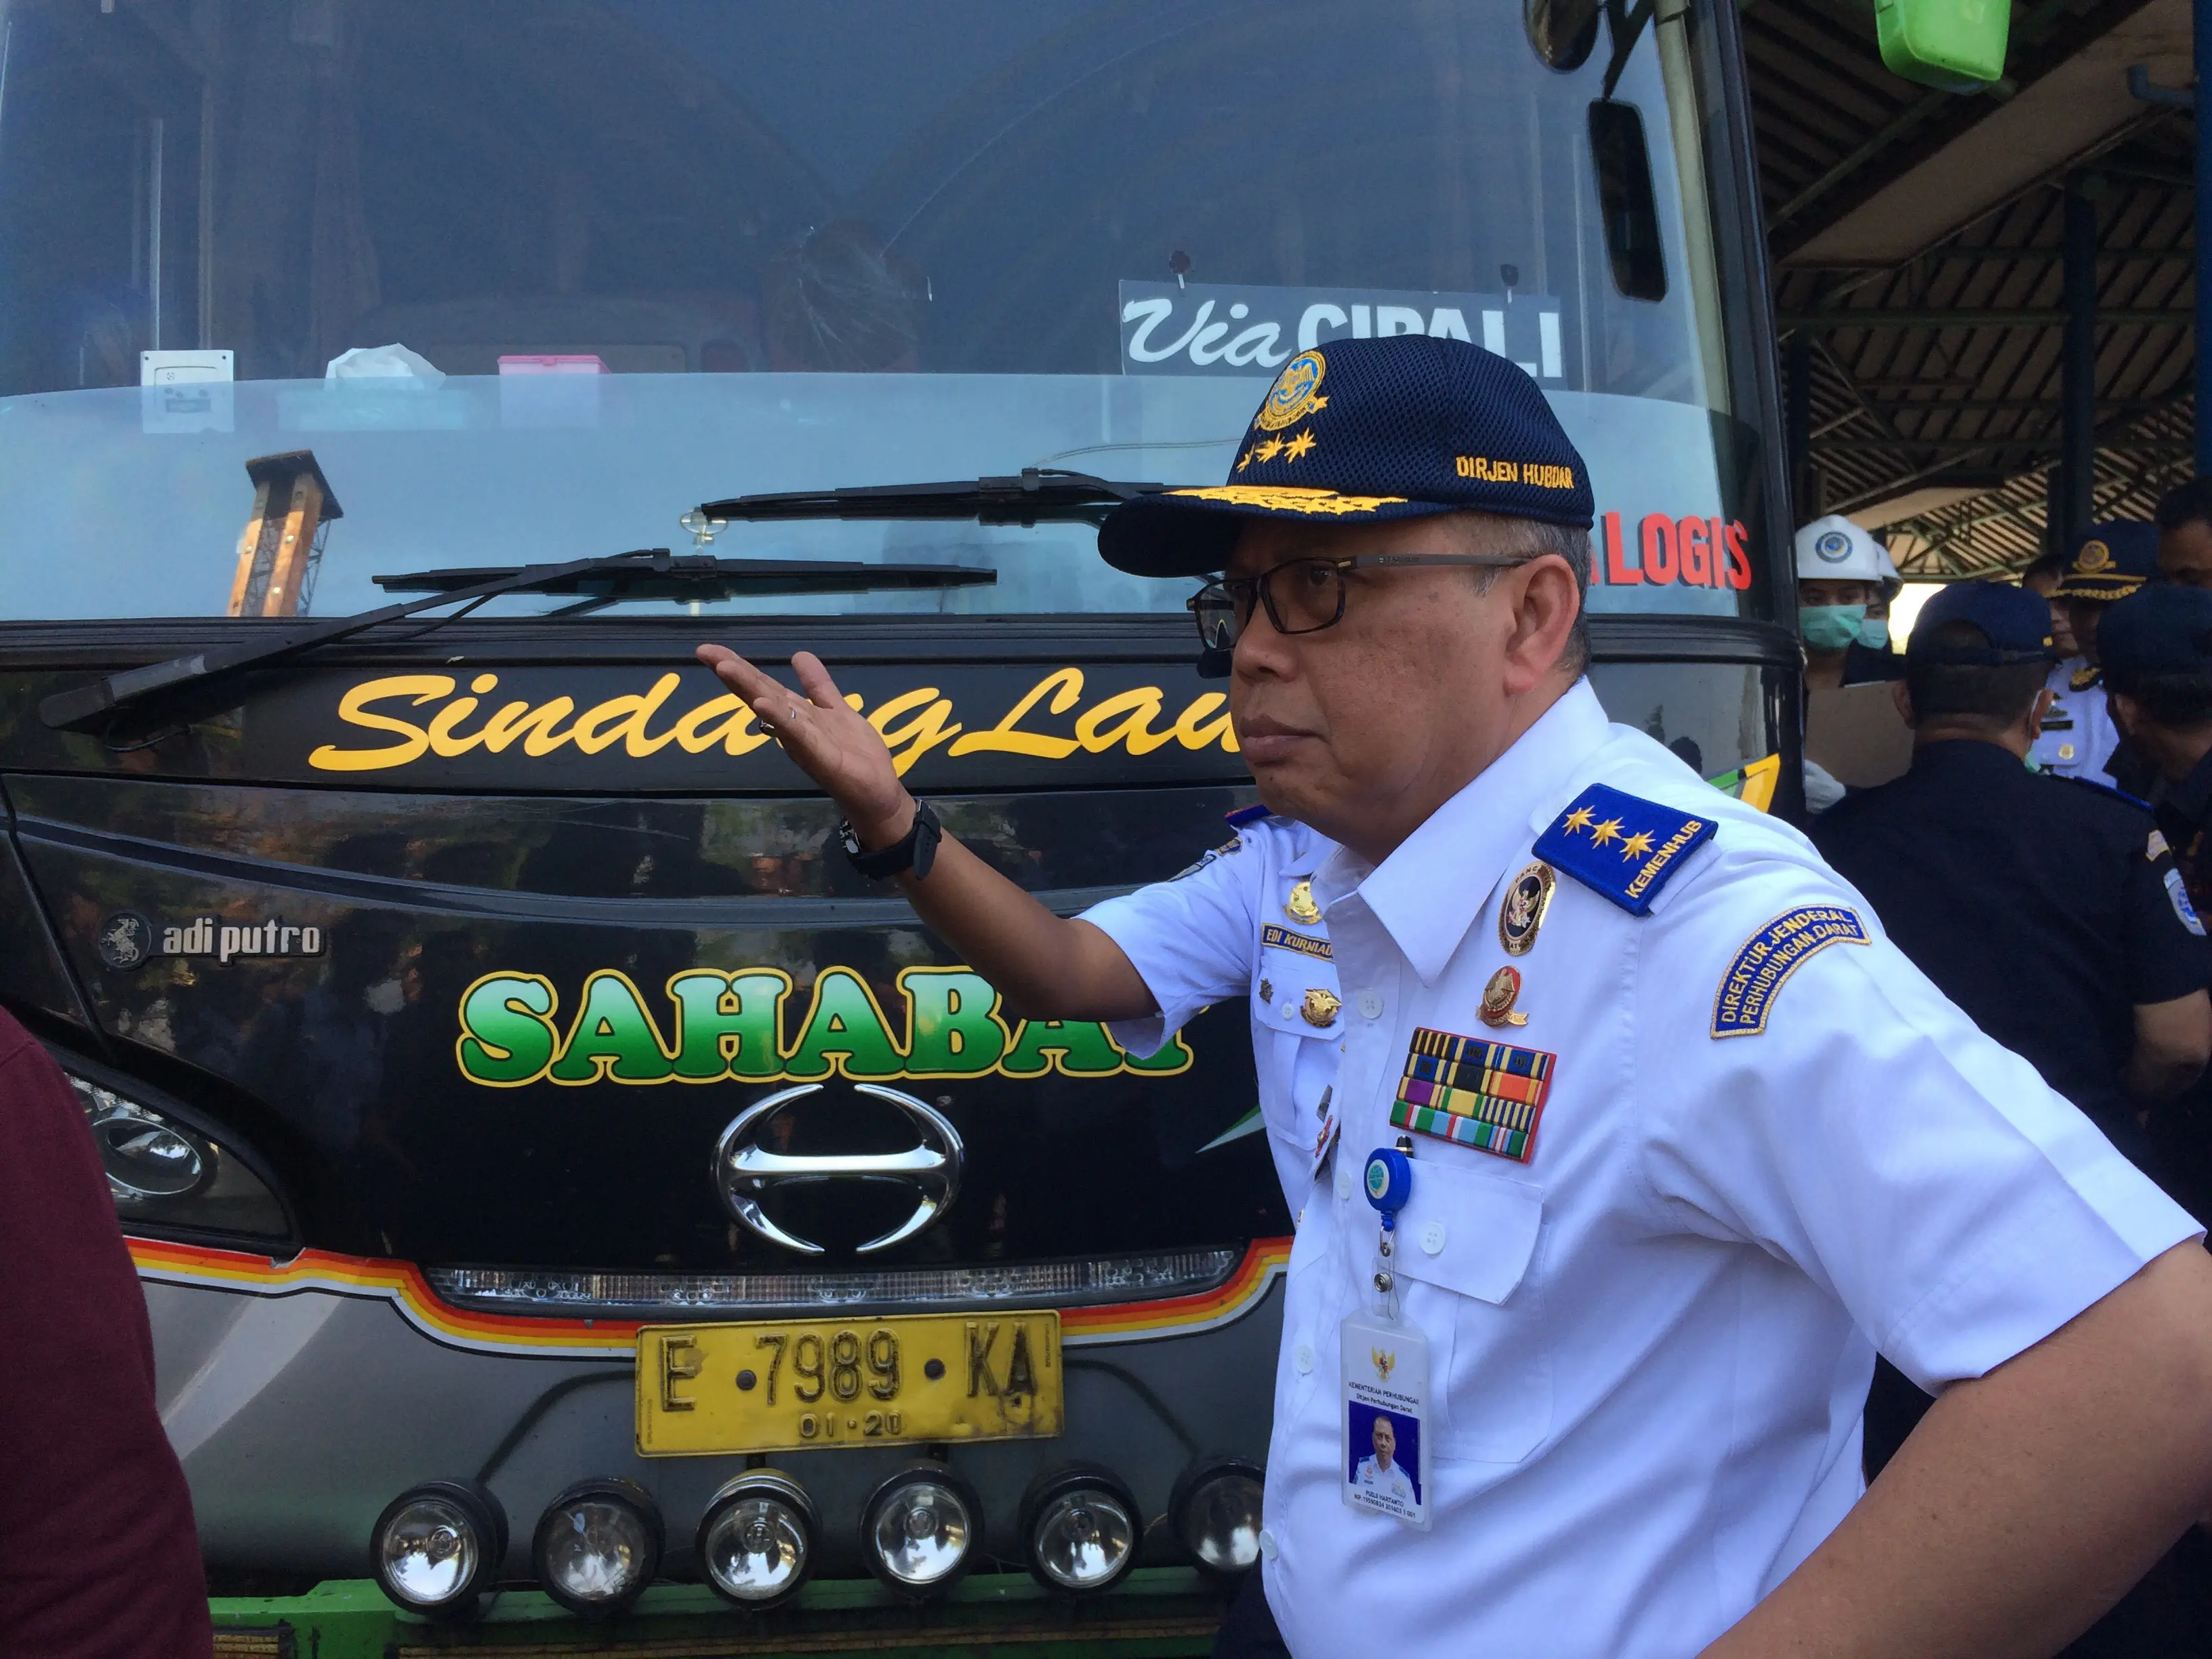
x=2014, y=622
x=2109, y=561
x=1360, y=432
x=2157, y=629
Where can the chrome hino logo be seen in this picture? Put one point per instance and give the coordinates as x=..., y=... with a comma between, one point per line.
x=745, y=1172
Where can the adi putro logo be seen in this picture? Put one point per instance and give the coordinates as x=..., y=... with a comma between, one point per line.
x=714, y=1027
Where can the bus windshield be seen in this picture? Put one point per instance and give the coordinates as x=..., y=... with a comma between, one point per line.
x=530, y=278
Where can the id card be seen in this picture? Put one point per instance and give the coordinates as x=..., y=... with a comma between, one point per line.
x=1383, y=1455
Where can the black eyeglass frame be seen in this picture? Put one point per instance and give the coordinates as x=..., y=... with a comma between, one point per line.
x=1260, y=587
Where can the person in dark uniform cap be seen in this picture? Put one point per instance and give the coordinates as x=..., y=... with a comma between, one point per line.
x=2052, y=915
x=2107, y=562
x=2159, y=679
x=2047, y=907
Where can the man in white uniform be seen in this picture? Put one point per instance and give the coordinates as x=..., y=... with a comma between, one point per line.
x=1376, y=1472
x=1690, y=1137
x=2107, y=561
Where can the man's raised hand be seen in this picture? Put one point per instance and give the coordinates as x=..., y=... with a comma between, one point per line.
x=829, y=740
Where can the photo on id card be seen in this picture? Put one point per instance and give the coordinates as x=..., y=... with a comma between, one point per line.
x=1384, y=1452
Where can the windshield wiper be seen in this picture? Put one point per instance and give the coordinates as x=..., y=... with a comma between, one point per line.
x=1035, y=496
x=699, y=579
x=649, y=573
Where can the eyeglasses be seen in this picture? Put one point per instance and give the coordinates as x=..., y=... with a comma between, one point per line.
x=1303, y=596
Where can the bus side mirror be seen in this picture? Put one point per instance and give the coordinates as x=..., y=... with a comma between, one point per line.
x=1956, y=45
x=1626, y=203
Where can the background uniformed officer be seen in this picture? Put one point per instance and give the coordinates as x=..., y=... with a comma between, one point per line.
x=1693, y=1134
x=2048, y=909
x=2107, y=561
x=2184, y=534
x=2160, y=675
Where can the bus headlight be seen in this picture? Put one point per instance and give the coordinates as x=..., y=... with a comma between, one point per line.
x=1080, y=1530
x=756, y=1538
x=162, y=1169
x=1216, y=1509
x=920, y=1528
x=597, y=1546
x=437, y=1547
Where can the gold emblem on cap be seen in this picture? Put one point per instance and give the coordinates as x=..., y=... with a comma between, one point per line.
x=1300, y=906
x=2093, y=557
x=1527, y=899
x=1499, y=996
x=1295, y=394
x=1320, y=1007
x=1307, y=498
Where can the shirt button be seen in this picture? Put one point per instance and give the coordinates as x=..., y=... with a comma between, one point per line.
x=1370, y=1003
x=1432, y=1239
x=1344, y=1183
x=1303, y=1357
x=1267, y=1543
x=1289, y=1010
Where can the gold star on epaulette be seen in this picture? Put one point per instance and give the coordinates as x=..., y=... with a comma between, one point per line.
x=1269, y=450
x=1299, y=447
x=1636, y=845
x=2082, y=678
x=1606, y=832
x=1580, y=819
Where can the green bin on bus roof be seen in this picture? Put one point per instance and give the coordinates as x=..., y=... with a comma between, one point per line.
x=1956, y=45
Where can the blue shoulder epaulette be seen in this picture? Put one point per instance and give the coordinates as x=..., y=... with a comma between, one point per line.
x=1622, y=846
x=2113, y=790
x=1244, y=815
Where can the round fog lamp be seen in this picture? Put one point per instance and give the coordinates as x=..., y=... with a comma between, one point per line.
x=597, y=1546
x=1079, y=1528
x=1215, y=1507
x=756, y=1538
x=437, y=1546
x=919, y=1527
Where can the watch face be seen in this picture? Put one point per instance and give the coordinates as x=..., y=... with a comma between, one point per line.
x=850, y=841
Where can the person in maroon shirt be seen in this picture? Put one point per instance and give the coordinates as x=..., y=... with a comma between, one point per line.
x=98, y=1556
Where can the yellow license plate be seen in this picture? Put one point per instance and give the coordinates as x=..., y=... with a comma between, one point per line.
x=795, y=1384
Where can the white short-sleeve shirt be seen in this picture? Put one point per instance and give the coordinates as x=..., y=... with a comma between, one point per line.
x=1651, y=1331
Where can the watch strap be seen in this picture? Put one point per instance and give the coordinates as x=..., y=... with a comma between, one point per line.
x=915, y=850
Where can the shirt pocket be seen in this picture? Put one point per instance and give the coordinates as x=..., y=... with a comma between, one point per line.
x=1297, y=1058
x=1468, y=1239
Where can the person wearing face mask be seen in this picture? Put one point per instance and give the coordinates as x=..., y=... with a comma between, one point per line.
x=2107, y=561
x=1844, y=578
x=1873, y=632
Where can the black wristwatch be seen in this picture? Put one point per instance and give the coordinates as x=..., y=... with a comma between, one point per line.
x=915, y=850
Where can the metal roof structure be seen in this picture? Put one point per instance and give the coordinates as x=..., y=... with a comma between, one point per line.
x=1918, y=242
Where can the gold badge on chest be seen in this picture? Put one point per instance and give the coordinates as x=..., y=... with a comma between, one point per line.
x=1320, y=1007
x=1300, y=906
x=1499, y=996
x=1528, y=896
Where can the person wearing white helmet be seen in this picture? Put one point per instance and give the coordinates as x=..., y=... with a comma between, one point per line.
x=1844, y=578
x=1843, y=575
x=1873, y=632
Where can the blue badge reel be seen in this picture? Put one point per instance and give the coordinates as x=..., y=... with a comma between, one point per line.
x=1384, y=1454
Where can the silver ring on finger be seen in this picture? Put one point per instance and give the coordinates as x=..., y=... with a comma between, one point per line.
x=792, y=716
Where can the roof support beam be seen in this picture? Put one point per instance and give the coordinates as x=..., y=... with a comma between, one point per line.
x=1825, y=322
